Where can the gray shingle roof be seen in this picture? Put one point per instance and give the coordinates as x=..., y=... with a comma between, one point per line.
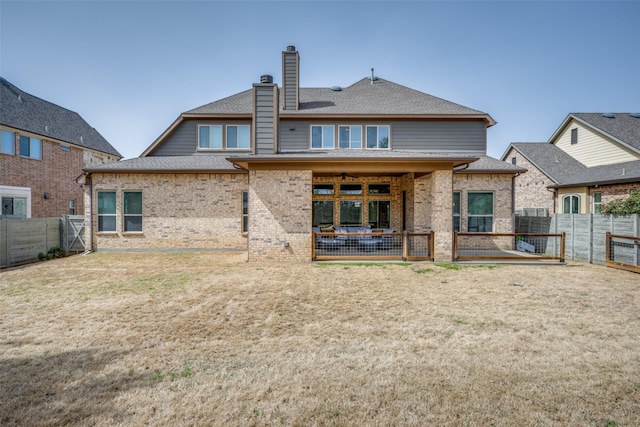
x=490, y=165
x=552, y=161
x=362, y=98
x=173, y=164
x=566, y=171
x=622, y=126
x=20, y=110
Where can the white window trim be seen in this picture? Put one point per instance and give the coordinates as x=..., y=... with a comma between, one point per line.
x=362, y=138
x=364, y=142
x=571, y=195
x=226, y=130
x=333, y=132
x=17, y=192
x=209, y=148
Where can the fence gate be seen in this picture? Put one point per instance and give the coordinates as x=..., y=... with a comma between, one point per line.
x=73, y=233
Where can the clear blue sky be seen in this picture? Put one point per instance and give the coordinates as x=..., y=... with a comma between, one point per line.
x=131, y=67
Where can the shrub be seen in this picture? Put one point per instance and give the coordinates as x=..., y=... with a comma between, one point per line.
x=628, y=206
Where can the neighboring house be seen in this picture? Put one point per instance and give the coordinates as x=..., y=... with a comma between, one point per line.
x=44, y=149
x=591, y=159
x=257, y=170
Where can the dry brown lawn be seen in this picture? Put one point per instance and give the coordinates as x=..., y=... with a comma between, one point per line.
x=207, y=339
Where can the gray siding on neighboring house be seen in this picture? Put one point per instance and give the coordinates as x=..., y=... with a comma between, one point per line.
x=265, y=118
x=183, y=141
x=436, y=136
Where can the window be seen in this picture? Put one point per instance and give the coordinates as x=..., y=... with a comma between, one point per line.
x=132, y=211
x=597, y=203
x=351, y=213
x=378, y=137
x=574, y=136
x=571, y=204
x=72, y=207
x=514, y=160
x=65, y=147
x=8, y=145
x=350, y=136
x=14, y=207
x=322, y=213
x=480, y=212
x=106, y=211
x=456, y=211
x=210, y=137
x=380, y=214
x=322, y=137
x=238, y=137
x=322, y=188
x=30, y=147
x=245, y=211
x=350, y=188
x=379, y=188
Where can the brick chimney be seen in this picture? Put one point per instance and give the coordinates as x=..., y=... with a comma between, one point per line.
x=290, y=79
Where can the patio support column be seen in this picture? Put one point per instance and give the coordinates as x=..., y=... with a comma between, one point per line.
x=442, y=214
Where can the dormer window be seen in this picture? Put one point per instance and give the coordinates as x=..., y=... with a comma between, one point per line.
x=236, y=137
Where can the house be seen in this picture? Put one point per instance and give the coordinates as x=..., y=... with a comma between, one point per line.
x=44, y=149
x=591, y=159
x=258, y=169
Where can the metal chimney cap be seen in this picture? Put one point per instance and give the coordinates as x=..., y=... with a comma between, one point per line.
x=266, y=78
x=291, y=48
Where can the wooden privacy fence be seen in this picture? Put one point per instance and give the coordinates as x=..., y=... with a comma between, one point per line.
x=526, y=247
x=623, y=252
x=21, y=240
x=585, y=233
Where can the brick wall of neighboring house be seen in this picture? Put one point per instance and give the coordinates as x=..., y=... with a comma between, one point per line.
x=280, y=204
x=531, y=186
x=612, y=192
x=54, y=174
x=201, y=211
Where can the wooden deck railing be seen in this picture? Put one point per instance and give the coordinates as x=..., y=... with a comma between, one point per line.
x=372, y=246
x=508, y=246
x=623, y=252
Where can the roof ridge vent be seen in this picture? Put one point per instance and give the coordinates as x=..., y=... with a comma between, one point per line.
x=609, y=115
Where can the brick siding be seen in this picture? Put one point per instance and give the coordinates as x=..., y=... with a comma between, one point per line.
x=531, y=187
x=200, y=211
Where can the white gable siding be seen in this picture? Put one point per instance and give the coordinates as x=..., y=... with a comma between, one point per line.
x=592, y=148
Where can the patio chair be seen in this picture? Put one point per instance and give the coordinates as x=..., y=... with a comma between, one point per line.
x=327, y=242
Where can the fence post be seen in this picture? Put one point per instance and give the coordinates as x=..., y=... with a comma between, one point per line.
x=455, y=245
x=607, y=249
x=432, y=245
x=562, y=243
x=405, y=245
x=313, y=245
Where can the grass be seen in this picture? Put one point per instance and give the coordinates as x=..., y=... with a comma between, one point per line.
x=207, y=339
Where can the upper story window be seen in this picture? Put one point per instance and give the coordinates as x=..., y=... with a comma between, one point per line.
x=30, y=147
x=322, y=136
x=378, y=137
x=350, y=136
x=8, y=145
x=238, y=136
x=210, y=137
x=234, y=137
x=574, y=136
